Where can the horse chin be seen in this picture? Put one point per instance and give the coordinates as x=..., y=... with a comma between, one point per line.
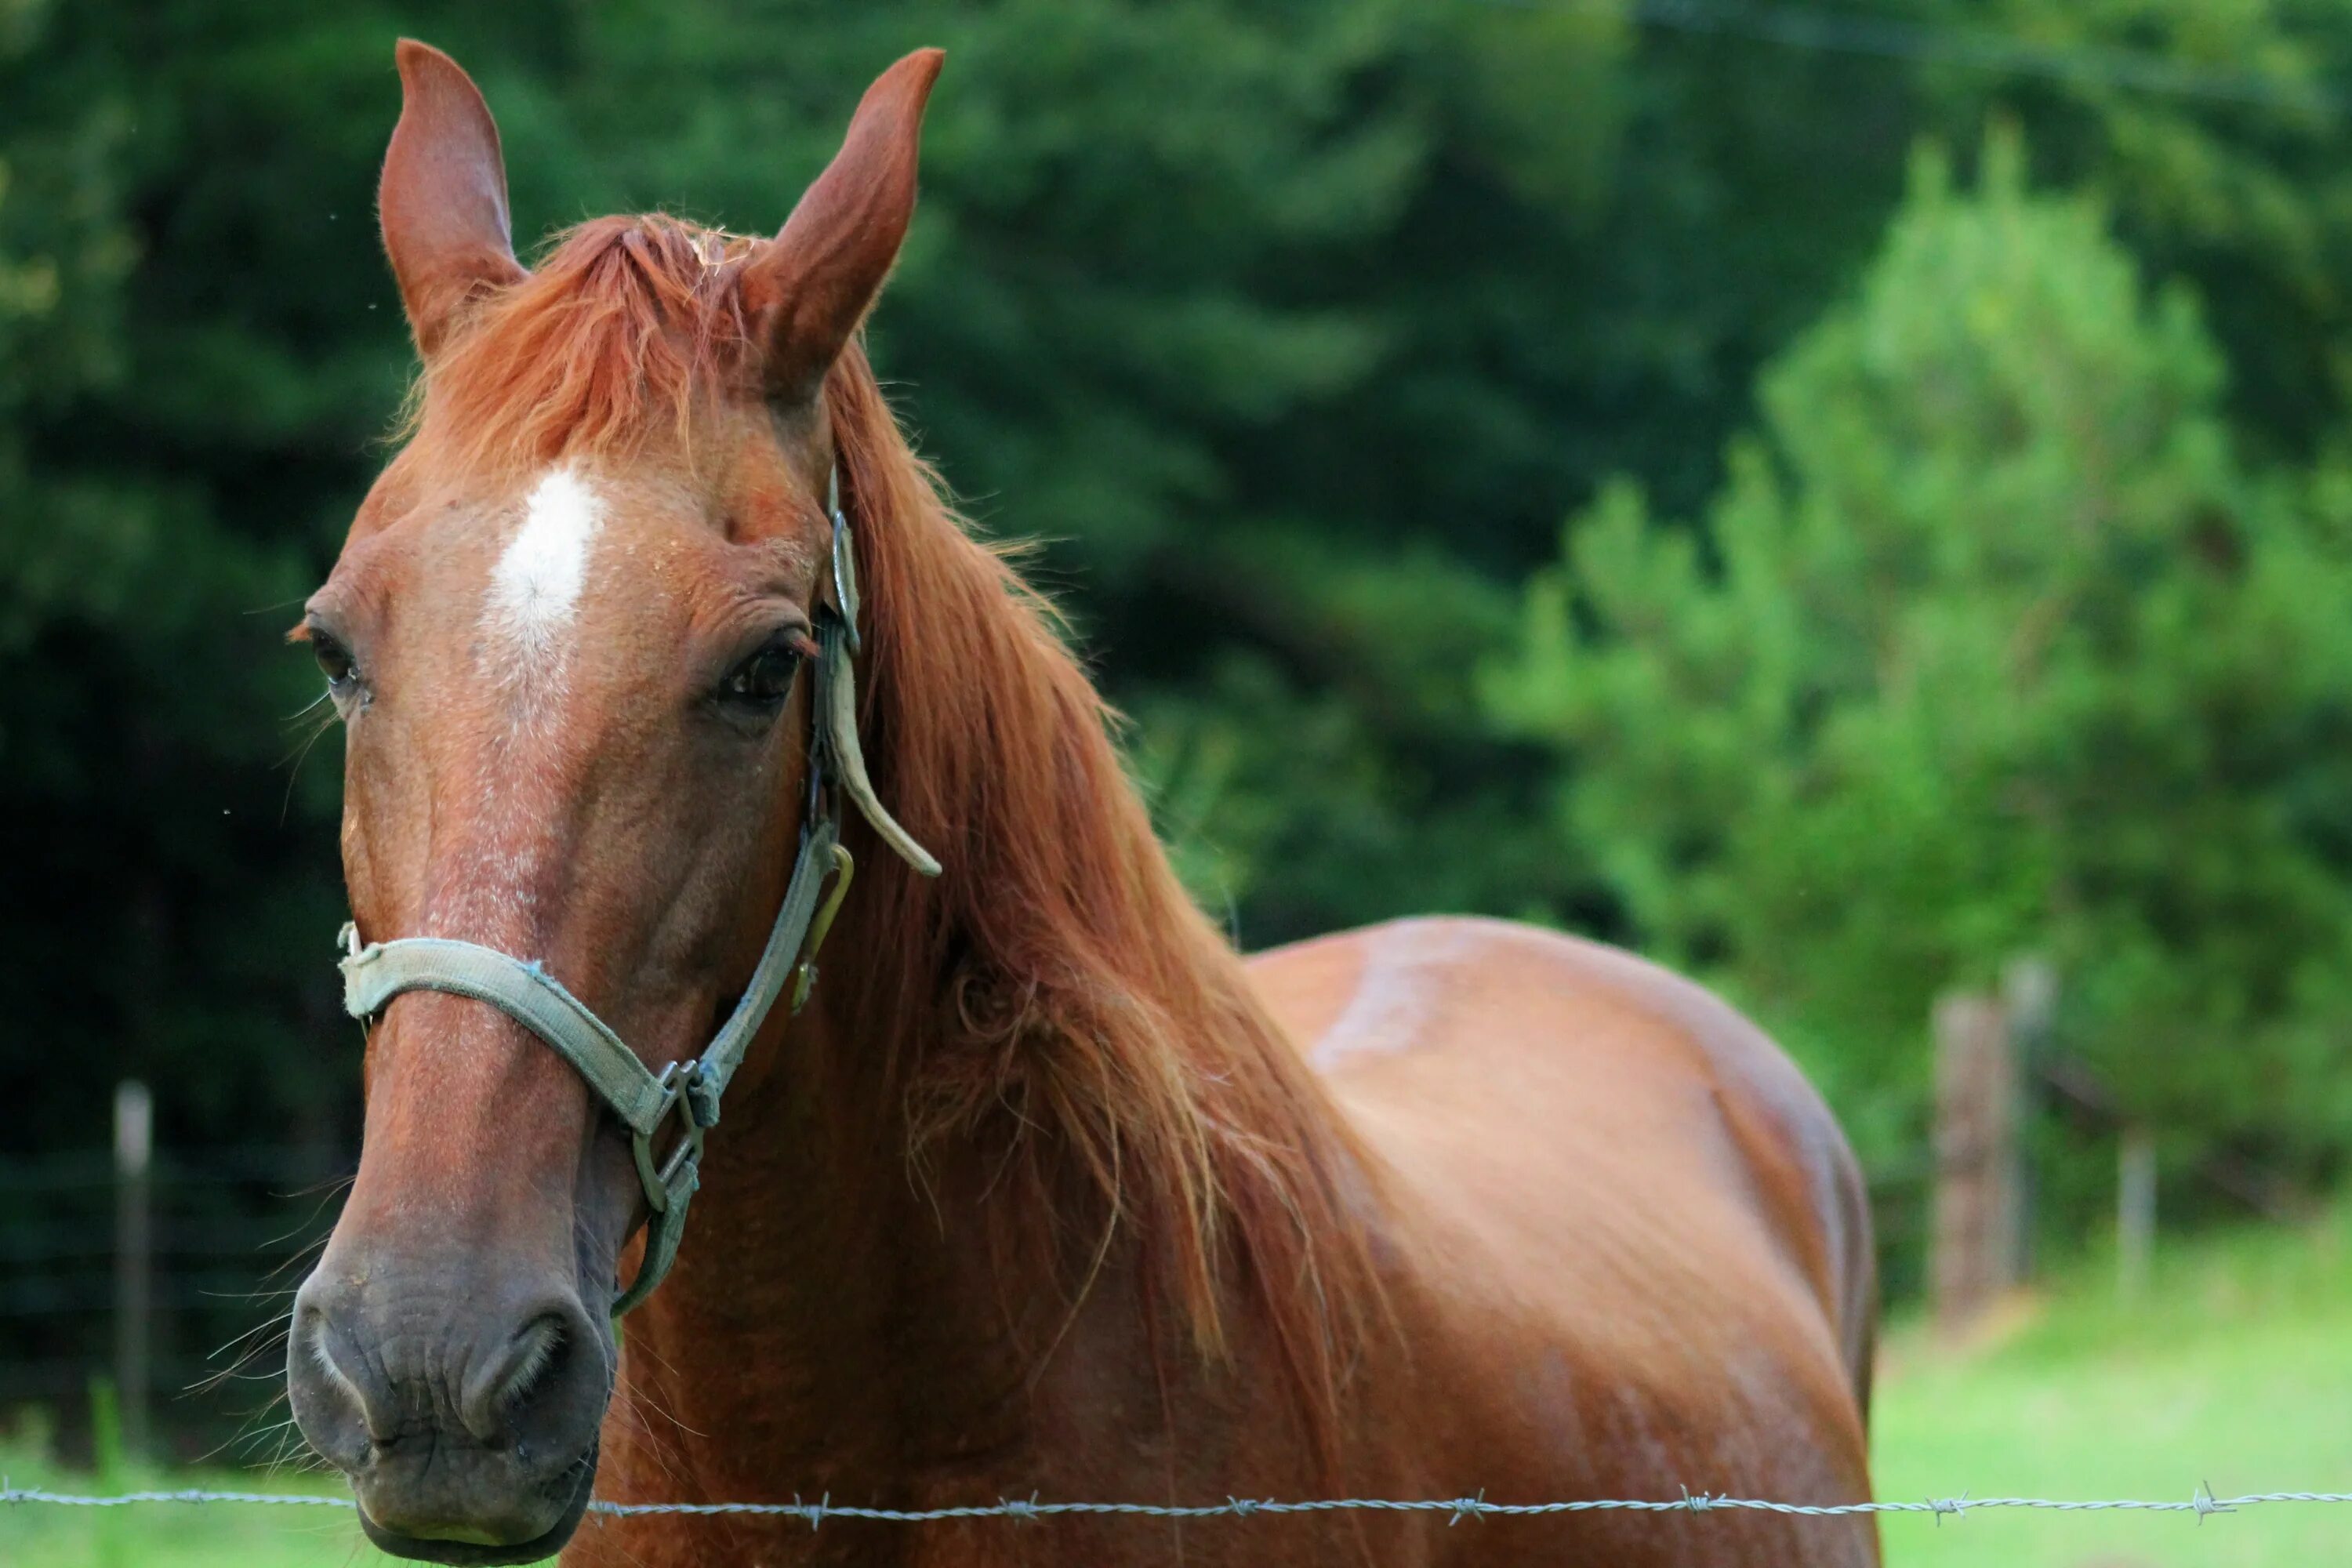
x=471, y=1554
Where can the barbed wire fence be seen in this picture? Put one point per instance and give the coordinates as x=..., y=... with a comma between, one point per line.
x=2203, y=1503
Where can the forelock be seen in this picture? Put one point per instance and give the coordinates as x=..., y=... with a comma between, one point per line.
x=625, y=326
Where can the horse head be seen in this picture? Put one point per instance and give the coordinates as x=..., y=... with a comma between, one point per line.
x=590, y=638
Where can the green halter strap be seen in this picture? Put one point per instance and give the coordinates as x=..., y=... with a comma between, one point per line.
x=641, y=1099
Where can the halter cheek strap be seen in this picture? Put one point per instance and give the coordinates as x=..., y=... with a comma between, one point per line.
x=642, y=1099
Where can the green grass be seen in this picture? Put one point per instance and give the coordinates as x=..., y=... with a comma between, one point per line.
x=172, y=1535
x=2234, y=1370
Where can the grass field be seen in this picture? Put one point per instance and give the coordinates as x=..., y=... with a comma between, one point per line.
x=2236, y=1371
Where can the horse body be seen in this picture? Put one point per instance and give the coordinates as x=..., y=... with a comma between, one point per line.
x=1623, y=1252
x=1047, y=1191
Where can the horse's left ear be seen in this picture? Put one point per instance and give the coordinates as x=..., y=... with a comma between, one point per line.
x=807, y=290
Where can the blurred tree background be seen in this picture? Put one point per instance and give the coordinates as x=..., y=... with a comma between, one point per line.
x=1946, y=402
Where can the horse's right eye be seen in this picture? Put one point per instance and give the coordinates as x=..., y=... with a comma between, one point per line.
x=335, y=661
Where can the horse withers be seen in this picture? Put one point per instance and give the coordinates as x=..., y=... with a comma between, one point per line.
x=653, y=633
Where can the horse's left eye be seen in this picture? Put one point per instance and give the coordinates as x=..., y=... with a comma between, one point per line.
x=764, y=680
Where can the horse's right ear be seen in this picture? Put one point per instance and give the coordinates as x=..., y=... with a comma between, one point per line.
x=443, y=198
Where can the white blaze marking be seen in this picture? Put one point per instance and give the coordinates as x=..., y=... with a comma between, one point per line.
x=535, y=587
x=524, y=658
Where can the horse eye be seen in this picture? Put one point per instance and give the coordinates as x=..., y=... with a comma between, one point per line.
x=764, y=680
x=335, y=661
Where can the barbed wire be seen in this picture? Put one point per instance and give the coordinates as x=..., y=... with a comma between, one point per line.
x=2203, y=1503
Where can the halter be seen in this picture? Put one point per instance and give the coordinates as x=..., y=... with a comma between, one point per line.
x=642, y=1099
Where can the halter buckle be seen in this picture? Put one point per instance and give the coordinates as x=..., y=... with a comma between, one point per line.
x=682, y=1082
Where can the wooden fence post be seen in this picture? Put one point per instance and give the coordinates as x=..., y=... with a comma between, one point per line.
x=2028, y=990
x=134, y=1296
x=1974, y=1251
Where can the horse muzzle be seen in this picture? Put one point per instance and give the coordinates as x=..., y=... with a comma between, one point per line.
x=467, y=1428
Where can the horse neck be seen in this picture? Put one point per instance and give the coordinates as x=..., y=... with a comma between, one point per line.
x=912, y=1210
x=827, y=1317
x=877, y=1271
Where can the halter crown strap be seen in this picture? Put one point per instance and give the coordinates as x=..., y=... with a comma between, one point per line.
x=640, y=1099
x=836, y=697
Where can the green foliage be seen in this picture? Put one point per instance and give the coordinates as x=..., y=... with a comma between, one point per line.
x=1291, y=332
x=2253, y=200
x=1989, y=646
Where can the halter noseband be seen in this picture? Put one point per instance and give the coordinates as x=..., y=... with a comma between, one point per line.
x=525, y=991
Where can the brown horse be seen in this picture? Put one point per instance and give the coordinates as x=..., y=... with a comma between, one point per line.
x=1047, y=1191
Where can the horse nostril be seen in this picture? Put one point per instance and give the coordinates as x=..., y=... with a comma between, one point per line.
x=531, y=1386
x=509, y=1377
x=339, y=1401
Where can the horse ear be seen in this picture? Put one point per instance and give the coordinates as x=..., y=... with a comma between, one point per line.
x=443, y=197
x=809, y=287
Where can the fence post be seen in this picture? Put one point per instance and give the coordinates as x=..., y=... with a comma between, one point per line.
x=134, y=1297
x=2028, y=990
x=1974, y=1247
x=2135, y=1210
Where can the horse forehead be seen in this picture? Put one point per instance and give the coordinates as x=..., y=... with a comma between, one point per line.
x=542, y=594
x=558, y=557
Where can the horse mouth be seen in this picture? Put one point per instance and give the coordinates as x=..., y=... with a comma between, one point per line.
x=576, y=1485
